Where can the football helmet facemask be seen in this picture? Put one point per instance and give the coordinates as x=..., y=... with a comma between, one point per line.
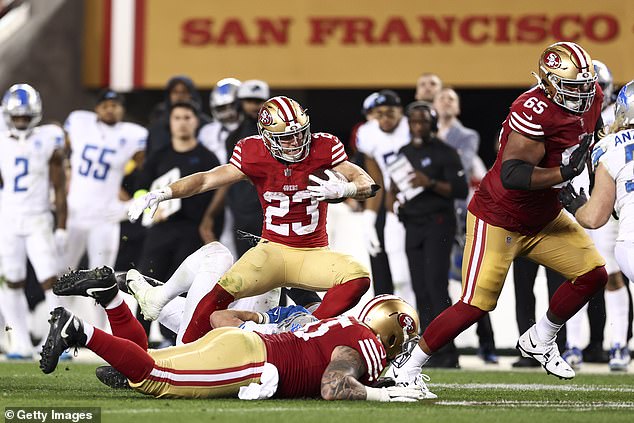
x=624, y=113
x=393, y=320
x=567, y=76
x=223, y=101
x=285, y=128
x=21, y=101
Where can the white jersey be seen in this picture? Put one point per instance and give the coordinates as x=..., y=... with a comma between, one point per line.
x=382, y=146
x=213, y=136
x=99, y=153
x=607, y=114
x=616, y=153
x=24, y=166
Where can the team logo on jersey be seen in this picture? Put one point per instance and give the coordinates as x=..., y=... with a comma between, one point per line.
x=265, y=117
x=406, y=322
x=552, y=60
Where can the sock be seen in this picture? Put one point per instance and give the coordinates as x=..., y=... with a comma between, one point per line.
x=450, y=323
x=547, y=330
x=217, y=299
x=341, y=298
x=116, y=302
x=51, y=300
x=89, y=330
x=574, y=329
x=617, y=310
x=16, y=312
x=572, y=295
x=172, y=313
x=124, y=355
x=125, y=325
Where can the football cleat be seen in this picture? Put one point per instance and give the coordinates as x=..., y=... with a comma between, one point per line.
x=419, y=382
x=619, y=358
x=573, y=356
x=98, y=283
x=547, y=354
x=123, y=284
x=66, y=331
x=111, y=377
x=151, y=299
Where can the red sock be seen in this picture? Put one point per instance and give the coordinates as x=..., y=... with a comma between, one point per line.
x=217, y=299
x=124, y=355
x=571, y=296
x=125, y=325
x=341, y=298
x=450, y=323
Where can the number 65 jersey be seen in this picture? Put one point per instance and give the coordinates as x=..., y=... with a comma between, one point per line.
x=291, y=216
x=98, y=158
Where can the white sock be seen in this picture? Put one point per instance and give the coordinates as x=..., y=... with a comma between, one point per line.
x=16, y=311
x=116, y=302
x=574, y=329
x=546, y=330
x=617, y=310
x=172, y=313
x=183, y=277
x=52, y=301
x=413, y=365
x=89, y=330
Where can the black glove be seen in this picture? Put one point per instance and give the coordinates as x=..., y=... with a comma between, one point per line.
x=577, y=161
x=571, y=200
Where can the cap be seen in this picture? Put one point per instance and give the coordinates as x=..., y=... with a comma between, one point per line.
x=387, y=98
x=108, y=94
x=254, y=88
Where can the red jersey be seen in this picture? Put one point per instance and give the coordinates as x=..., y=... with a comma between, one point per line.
x=534, y=116
x=291, y=216
x=301, y=357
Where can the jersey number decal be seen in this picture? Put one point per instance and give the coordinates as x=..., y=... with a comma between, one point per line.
x=22, y=162
x=536, y=105
x=629, y=155
x=282, y=209
x=91, y=156
x=315, y=329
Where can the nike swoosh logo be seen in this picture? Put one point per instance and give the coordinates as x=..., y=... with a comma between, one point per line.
x=91, y=291
x=64, y=334
x=527, y=116
x=531, y=341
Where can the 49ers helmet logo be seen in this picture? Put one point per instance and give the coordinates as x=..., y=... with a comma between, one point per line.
x=265, y=117
x=552, y=60
x=406, y=321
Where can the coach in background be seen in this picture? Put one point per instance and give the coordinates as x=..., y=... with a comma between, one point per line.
x=428, y=176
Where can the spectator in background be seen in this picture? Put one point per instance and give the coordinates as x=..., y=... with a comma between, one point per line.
x=428, y=86
x=179, y=89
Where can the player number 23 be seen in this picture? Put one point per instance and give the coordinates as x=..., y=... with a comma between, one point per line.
x=280, y=205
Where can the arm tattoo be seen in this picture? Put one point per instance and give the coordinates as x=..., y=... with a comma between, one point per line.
x=340, y=379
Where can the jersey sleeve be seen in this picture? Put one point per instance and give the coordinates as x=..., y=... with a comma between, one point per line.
x=138, y=135
x=337, y=151
x=364, y=140
x=372, y=352
x=525, y=120
x=613, y=160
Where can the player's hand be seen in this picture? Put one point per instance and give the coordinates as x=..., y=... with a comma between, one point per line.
x=330, y=189
x=577, y=160
x=371, y=238
x=149, y=200
x=571, y=200
x=61, y=240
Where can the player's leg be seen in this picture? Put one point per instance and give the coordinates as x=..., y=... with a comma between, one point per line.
x=620, y=356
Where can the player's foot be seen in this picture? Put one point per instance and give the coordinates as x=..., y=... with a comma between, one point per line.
x=98, y=283
x=66, y=331
x=488, y=355
x=420, y=383
x=573, y=356
x=619, y=358
x=111, y=377
x=594, y=353
x=123, y=285
x=16, y=355
x=547, y=354
x=151, y=299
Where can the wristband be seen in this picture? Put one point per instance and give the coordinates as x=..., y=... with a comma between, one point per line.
x=350, y=190
x=376, y=394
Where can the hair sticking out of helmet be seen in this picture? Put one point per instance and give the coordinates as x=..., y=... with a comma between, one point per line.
x=394, y=321
x=21, y=109
x=285, y=129
x=567, y=76
x=223, y=101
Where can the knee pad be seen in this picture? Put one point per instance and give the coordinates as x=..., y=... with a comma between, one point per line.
x=591, y=282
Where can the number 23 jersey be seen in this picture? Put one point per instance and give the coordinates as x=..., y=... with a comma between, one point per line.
x=290, y=215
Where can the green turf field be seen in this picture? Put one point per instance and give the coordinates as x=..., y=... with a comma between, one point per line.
x=464, y=396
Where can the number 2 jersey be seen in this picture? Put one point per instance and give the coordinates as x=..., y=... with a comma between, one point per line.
x=535, y=116
x=24, y=166
x=291, y=216
x=301, y=357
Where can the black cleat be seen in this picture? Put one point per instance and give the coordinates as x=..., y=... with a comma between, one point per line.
x=98, y=283
x=66, y=331
x=111, y=377
x=123, y=284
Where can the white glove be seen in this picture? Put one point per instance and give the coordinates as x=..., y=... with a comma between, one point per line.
x=371, y=238
x=149, y=200
x=61, y=240
x=331, y=189
x=394, y=394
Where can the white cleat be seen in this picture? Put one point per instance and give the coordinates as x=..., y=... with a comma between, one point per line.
x=547, y=354
x=619, y=358
x=410, y=378
x=151, y=299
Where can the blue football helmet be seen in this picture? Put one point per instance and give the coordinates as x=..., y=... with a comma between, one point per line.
x=21, y=100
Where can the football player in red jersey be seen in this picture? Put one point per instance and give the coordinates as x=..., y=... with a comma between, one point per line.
x=294, y=247
x=334, y=358
x=544, y=141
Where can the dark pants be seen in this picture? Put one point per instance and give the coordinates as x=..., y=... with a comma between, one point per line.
x=379, y=264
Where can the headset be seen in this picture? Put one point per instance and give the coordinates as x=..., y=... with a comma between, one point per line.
x=424, y=105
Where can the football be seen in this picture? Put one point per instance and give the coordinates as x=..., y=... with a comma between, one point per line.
x=321, y=174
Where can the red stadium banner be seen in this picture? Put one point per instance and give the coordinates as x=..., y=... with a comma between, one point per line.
x=356, y=43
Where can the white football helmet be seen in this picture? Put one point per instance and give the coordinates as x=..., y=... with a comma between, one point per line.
x=21, y=100
x=624, y=113
x=223, y=100
x=254, y=89
x=567, y=76
x=285, y=129
x=605, y=81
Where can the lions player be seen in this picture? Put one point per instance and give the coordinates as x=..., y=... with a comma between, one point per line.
x=613, y=189
x=31, y=161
